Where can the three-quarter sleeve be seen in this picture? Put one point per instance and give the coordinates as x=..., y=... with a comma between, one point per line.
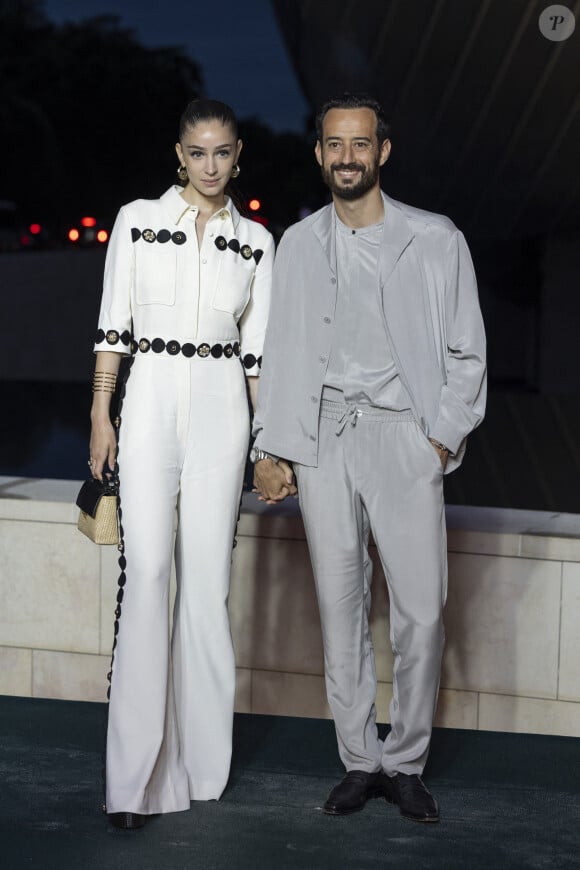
x=254, y=320
x=114, y=331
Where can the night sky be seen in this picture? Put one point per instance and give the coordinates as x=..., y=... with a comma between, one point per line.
x=238, y=46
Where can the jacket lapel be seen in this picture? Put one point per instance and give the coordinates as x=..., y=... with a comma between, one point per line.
x=397, y=234
x=323, y=229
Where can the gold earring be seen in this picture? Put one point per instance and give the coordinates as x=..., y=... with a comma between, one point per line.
x=182, y=173
x=235, y=171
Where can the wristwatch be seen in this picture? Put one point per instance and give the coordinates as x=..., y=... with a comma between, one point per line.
x=439, y=445
x=256, y=455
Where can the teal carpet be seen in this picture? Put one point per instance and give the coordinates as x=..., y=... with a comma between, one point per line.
x=507, y=801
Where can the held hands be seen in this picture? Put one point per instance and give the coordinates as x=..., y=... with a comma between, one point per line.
x=274, y=481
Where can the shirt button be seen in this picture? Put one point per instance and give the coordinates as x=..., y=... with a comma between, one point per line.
x=312, y=437
x=333, y=280
x=313, y=399
x=322, y=359
x=327, y=319
x=204, y=261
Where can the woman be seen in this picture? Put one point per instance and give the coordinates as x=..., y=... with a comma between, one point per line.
x=186, y=293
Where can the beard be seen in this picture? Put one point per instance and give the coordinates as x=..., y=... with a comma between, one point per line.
x=369, y=177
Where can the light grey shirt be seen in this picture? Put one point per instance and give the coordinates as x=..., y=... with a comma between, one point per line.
x=361, y=368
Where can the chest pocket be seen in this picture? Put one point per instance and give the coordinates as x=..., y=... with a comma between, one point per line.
x=155, y=273
x=232, y=292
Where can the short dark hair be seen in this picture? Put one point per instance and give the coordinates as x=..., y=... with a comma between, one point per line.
x=207, y=110
x=354, y=101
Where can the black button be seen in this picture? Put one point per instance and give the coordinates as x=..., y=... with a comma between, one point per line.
x=312, y=437
x=158, y=345
x=179, y=238
x=126, y=337
x=228, y=351
x=149, y=235
x=246, y=252
x=120, y=595
x=221, y=243
x=135, y=234
x=188, y=349
x=134, y=347
x=258, y=254
x=100, y=336
x=163, y=236
x=144, y=345
x=204, y=350
x=234, y=246
x=260, y=362
x=327, y=319
x=249, y=361
x=217, y=351
x=173, y=347
x=112, y=336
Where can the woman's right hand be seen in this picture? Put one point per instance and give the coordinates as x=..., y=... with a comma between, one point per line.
x=103, y=447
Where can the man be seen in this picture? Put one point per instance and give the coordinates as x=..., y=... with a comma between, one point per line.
x=373, y=376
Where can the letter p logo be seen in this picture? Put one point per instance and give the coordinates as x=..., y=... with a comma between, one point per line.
x=557, y=23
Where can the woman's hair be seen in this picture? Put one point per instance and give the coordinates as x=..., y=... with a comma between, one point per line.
x=207, y=110
x=354, y=101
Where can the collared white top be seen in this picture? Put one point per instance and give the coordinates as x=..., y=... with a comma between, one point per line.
x=160, y=283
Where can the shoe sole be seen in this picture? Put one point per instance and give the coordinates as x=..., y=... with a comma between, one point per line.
x=376, y=793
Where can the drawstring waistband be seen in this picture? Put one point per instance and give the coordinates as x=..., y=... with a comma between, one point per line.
x=352, y=412
x=351, y=415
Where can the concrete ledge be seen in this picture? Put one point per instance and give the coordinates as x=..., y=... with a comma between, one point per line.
x=512, y=618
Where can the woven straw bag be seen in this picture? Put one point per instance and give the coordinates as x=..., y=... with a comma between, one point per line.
x=98, y=517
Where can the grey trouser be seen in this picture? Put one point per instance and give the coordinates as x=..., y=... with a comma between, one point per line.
x=377, y=472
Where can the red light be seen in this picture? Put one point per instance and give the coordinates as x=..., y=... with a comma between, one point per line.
x=73, y=235
x=88, y=221
x=254, y=204
x=102, y=236
x=25, y=241
x=35, y=229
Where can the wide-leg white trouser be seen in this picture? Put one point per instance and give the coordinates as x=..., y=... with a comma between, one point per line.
x=380, y=474
x=183, y=442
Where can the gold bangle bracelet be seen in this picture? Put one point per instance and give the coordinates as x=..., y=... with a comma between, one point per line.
x=104, y=382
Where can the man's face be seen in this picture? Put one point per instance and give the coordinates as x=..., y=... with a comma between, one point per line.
x=349, y=155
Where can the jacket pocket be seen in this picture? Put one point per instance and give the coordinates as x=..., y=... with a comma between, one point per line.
x=155, y=274
x=232, y=292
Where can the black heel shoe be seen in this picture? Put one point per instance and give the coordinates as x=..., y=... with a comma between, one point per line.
x=127, y=821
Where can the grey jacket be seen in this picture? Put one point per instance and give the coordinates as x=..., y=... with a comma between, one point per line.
x=430, y=309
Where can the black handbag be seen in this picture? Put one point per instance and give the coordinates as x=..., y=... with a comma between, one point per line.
x=98, y=517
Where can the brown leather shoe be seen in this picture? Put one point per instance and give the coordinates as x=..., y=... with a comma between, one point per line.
x=352, y=793
x=127, y=821
x=414, y=799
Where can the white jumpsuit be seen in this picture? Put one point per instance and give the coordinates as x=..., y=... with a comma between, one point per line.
x=194, y=318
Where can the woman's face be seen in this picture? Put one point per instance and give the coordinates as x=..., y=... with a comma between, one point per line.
x=208, y=151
